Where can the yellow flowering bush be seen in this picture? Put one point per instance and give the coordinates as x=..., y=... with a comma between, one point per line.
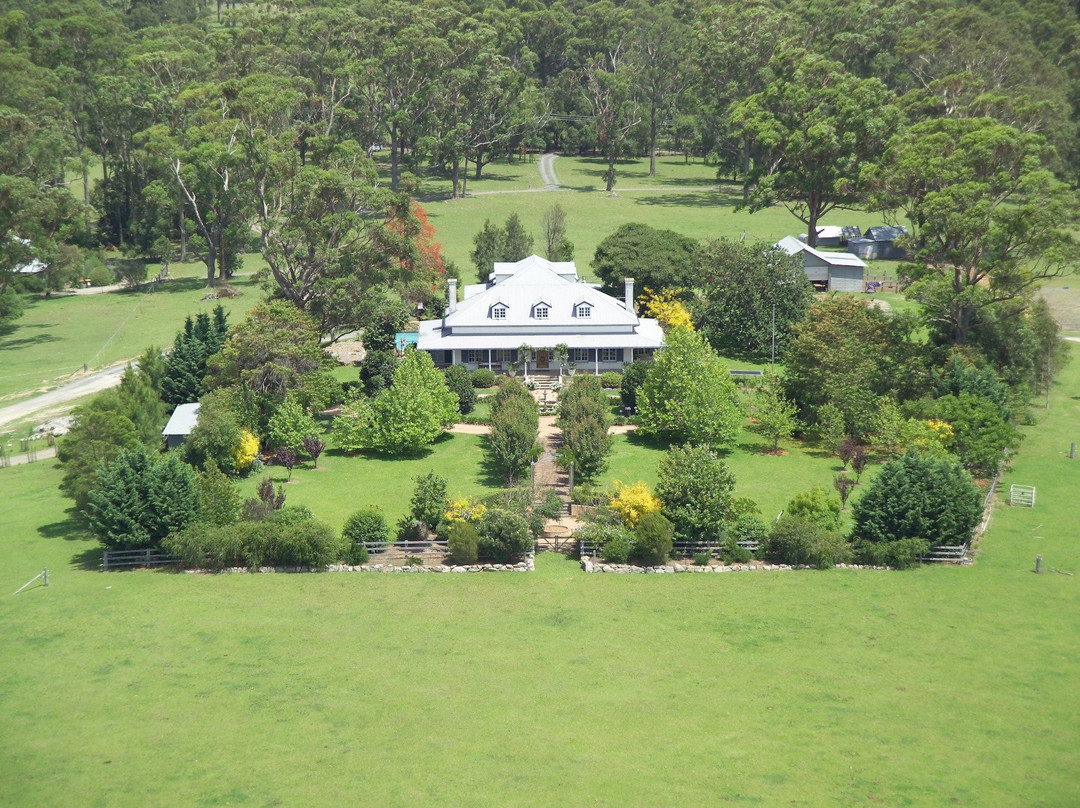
x=666, y=309
x=632, y=502
x=245, y=452
x=932, y=437
x=464, y=509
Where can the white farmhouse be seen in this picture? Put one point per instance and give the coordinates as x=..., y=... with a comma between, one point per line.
x=541, y=304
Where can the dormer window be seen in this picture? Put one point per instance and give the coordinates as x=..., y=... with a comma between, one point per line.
x=584, y=310
x=541, y=311
x=498, y=311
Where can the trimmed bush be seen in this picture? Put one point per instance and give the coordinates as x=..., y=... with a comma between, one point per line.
x=504, y=535
x=464, y=543
x=364, y=530
x=793, y=540
x=652, y=538
x=901, y=554
x=276, y=542
x=732, y=552
x=482, y=378
x=619, y=548
x=611, y=380
x=460, y=384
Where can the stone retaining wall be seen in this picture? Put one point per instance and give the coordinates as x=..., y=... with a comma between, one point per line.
x=528, y=565
x=588, y=565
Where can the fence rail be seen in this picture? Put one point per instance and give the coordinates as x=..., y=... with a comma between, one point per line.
x=686, y=549
x=148, y=557
x=407, y=546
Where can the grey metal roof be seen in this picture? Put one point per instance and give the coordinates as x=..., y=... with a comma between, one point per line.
x=183, y=420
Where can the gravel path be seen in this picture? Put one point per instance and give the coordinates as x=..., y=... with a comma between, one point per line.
x=82, y=386
x=546, y=164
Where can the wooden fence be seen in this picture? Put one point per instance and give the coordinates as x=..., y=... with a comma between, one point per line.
x=148, y=557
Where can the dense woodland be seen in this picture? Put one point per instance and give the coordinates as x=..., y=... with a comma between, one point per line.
x=219, y=128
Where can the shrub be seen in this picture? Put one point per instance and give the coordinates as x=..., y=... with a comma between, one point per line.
x=504, y=535
x=696, y=489
x=139, y=498
x=611, y=380
x=409, y=529
x=363, y=530
x=600, y=533
x=734, y=553
x=515, y=420
x=429, y=499
x=901, y=554
x=653, y=538
x=702, y=559
x=631, y=502
x=551, y=506
x=633, y=378
x=482, y=378
x=918, y=497
x=460, y=384
x=618, y=548
x=464, y=543
x=746, y=528
x=817, y=506
x=268, y=501
x=794, y=540
x=289, y=424
x=463, y=509
x=273, y=542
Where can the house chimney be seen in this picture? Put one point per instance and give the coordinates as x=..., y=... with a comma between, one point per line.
x=451, y=295
x=628, y=294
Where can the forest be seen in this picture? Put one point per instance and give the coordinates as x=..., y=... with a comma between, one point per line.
x=168, y=130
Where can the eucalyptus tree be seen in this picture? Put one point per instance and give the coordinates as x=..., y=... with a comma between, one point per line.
x=811, y=130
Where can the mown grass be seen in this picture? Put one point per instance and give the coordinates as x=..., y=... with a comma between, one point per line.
x=56, y=336
x=686, y=199
x=938, y=686
x=344, y=483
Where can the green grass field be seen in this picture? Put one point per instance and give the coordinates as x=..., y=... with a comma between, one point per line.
x=55, y=337
x=942, y=685
x=684, y=198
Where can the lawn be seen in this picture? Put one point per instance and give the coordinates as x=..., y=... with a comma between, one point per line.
x=944, y=685
x=343, y=483
x=686, y=199
x=57, y=336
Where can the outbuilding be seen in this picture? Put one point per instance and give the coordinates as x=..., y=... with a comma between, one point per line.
x=183, y=420
x=827, y=271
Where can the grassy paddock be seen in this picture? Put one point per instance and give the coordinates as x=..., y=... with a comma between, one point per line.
x=943, y=685
x=55, y=337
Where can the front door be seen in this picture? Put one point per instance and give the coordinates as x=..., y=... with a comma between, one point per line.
x=541, y=360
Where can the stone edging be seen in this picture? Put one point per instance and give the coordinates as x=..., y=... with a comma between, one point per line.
x=588, y=565
x=528, y=565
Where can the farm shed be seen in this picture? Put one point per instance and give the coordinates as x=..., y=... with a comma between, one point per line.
x=827, y=271
x=182, y=421
x=879, y=242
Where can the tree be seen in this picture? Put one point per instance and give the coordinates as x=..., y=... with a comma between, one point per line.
x=609, y=89
x=816, y=507
x=314, y=446
x=516, y=244
x=460, y=384
x=752, y=295
x=406, y=417
x=139, y=498
x=697, y=492
x=652, y=539
x=290, y=425
x=846, y=353
x=633, y=377
x=776, y=416
x=97, y=435
x=558, y=246
x=487, y=249
x=504, y=535
x=656, y=259
x=688, y=395
x=429, y=499
x=989, y=219
x=811, y=130
x=980, y=432
x=917, y=497
x=286, y=457
x=185, y=366
x=515, y=420
x=584, y=421
x=219, y=500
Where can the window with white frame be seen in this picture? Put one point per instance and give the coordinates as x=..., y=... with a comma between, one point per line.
x=541, y=310
x=502, y=355
x=643, y=353
x=584, y=310
x=498, y=312
x=611, y=354
x=579, y=355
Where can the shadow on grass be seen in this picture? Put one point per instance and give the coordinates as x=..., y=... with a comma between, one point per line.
x=698, y=199
x=68, y=529
x=88, y=560
x=26, y=342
